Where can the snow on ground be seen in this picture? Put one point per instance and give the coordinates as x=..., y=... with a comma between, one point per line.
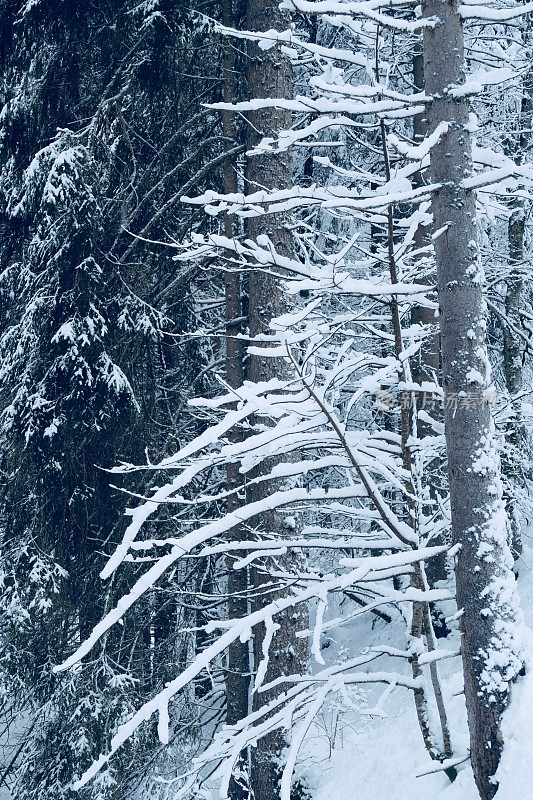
x=355, y=756
x=516, y=768
x=372, y=758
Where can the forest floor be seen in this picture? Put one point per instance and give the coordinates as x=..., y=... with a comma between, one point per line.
x=356, y=755
x=353, y=755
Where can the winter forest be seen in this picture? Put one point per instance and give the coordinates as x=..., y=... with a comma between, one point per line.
x=266, y=413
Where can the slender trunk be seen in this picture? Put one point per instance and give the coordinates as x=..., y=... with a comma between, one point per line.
x=421, y=618
x=238, y=674
x=485, y=582
x=512, y=369
x=269, y=75
x=516, y=235
x=512, y=361
x=426, y=367
x=512, y=357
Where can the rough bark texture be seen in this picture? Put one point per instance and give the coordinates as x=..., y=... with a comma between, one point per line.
x=519, y=150
x=238, y=674
x=512, y=360
x=426, y=366
x=421, y=624
x=512, y=355
x=269, y=75
x=485, y=584
x=512, y=369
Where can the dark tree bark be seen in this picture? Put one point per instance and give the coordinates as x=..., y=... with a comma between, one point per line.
x=103, y=82
x=485, y=583
x=428, y=364
x=426, y=367
x=269, y=75
x=238, y=675
x=512, y=351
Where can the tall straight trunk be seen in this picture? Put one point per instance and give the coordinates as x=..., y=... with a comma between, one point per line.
x=421, y=623
x=512, y=357
x=269, y=75
x=519, y=150
x=238, y=672
x=485, y=582
x=428, y=363
x=512, y=368
x=426, y=367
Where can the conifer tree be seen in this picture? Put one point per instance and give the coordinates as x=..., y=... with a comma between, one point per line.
x=96, y=141
x=490, y=621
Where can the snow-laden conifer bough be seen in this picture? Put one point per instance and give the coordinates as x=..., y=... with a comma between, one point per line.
x=339, y=472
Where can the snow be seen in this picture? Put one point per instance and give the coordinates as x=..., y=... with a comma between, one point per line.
x=477, y=81
x=367, y=9
x=515, y=773
x=374, y=746
x=321, y=106
x=240, y=628
x=420, y=151
x=388, y=753
x=494, y=14
x=377, y=757
x=268, y=38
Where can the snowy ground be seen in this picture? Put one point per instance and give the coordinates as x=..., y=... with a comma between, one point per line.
x=380, y=758
x=355, y=756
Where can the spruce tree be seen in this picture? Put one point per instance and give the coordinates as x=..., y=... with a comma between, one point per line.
x=96, y=145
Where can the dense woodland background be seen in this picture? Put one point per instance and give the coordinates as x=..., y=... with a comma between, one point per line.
x=314, y=216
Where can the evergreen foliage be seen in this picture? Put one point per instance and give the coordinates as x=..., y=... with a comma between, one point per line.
x=95, y=143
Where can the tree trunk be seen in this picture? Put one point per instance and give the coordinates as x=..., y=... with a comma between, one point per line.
x=238, y=674
x=512, y=356
x=269, y=75
x=516, y=232
x=485, y=582
x=426, y=366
